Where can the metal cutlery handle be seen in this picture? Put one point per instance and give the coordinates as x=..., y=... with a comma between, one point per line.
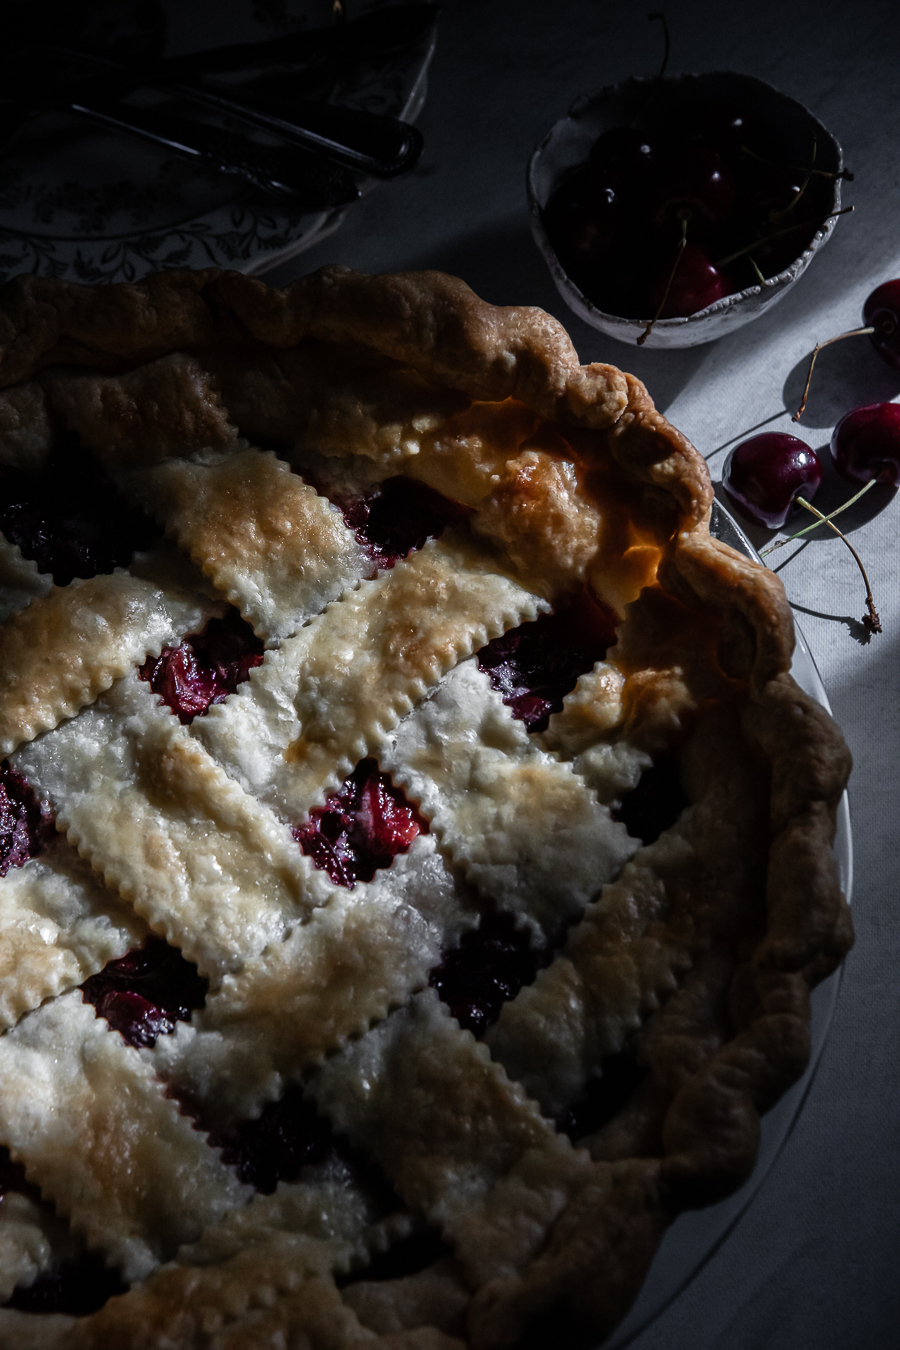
x=369, y=143
x=278, y=172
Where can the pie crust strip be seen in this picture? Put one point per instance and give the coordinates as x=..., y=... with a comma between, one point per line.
x=460, y=1141
x=358, y=956
x=24, y=1248
x=20, y=580
x=59, y=925
x=267, y=541
x=70, y=645
x=524, y=828
x=638, y=940
x=328, y=696
x=201, y=861
x=89, y=1120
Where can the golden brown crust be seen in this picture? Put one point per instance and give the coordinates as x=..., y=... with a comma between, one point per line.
x=145, y=413
x=590, y=474
x=429, y=321
x=757, y=638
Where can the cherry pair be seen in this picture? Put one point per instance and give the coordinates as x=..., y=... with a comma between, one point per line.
x=765, y=475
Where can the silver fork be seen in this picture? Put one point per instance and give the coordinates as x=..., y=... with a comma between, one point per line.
x=361, y=142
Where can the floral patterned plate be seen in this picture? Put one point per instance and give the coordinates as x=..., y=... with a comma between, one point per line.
x=90, y=204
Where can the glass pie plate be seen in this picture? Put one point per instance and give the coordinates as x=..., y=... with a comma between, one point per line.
x=696, y=1235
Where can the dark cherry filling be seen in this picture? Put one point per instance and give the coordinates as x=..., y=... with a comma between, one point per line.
x=76, y=1287
x=143, y=994
x=24, y=829
x=604, y=1097
x=656, y=802
x=361, y=827
x=397, y=517
x=12, y=1177
x=534, y=666
x=287, y=1136
x=71, y=520
x=206, y=668
x=490, y=965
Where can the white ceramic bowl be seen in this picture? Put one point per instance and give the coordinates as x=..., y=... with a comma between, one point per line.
x=568, y=143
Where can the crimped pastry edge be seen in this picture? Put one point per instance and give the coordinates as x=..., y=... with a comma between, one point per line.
x=436, y=325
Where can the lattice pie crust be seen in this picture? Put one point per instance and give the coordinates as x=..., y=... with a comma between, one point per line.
x=694, y=954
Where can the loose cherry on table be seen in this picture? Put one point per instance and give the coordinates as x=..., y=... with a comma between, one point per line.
x=881, y=323
x=881, y=313
x=865, y=444
x=765, y=475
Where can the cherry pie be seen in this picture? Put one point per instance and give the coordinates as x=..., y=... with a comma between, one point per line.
x=415, y=853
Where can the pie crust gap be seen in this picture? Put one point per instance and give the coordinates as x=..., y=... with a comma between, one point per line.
x=657, y=848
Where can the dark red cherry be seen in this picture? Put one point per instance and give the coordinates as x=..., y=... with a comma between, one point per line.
x=780, y=243
x=138, y=1020
x=278, y=1144
x=866, y=444
x=698, y=185
x=143, y=994
x=361, y=827
x=696, y=284
x=764, y=475
x=724, y=126
x=584, y=218
x=780, y=197
x=25, y=829
x=534, y=666
x=70, y=519
x=489, y=966
x=603, y=1097
x=623, y=157
x=882, y=312
x=206, y=668
x=656, y=803
x=397, y=517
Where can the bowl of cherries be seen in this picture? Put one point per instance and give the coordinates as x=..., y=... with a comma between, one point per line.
x=680, y=208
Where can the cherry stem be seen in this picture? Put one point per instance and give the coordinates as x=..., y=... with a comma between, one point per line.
x=870, y=620
x=816, y=523
x=777, y=234
x=665, y=60
x=655, y=87
x=887, y=327
x=800, y=168
x=786, y=210
x=685, y=216
x=752, y=263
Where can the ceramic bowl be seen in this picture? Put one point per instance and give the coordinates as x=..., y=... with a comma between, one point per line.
x=568, y=142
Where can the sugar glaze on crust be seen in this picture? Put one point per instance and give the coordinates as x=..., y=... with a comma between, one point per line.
x=223, y=407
